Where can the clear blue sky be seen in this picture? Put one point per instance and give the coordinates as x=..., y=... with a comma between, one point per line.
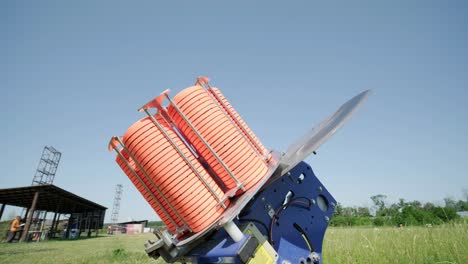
x=73, y=74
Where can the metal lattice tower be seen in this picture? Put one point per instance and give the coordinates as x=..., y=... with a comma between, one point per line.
x=47, y=167
x=116, y=207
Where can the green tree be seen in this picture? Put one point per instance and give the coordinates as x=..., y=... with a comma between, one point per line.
x=379, y=201
x=338, y=209
x=416, y=204
x=429, y=206
x=449, y=202
x=401, y=203
x=363, y=212
x=379, y=221
x=445, y=214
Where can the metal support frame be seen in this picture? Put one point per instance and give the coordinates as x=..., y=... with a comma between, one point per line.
x=221, y=201
x=26, y=212
x=113, y=146
x=52, y=229
x=57, y=222
x=24, y=235
x=48, y=164
x=88, y=221
x=53, y=226
x=96, y=228
x=230, y=116
x=78, y=223
x=45, y=172
x=152, y=182
x=70, y=219
x=116, y=204
x=287, y=244
x=2, y=209
x=312, y=212
x=225, y=167
x=237, y=204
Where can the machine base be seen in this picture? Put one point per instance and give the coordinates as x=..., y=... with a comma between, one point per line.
x=283, y=223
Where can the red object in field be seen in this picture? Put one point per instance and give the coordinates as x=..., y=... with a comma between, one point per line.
x=226, y=133
x=167, y=170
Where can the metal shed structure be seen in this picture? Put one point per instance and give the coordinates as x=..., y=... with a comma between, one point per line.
x=84, y=215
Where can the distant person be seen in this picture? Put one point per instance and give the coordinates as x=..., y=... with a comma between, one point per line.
x=14, y=227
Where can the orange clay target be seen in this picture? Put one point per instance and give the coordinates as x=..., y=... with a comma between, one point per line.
x=239, y=119
x=213, y=123
x=171, y=179
x=167, y=169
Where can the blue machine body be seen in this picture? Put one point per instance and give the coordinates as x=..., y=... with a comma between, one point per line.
x=312, y=212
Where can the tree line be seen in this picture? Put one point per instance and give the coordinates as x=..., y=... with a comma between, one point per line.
x=401, y=213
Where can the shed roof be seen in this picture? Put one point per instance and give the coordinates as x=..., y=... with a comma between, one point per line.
x=51, y=198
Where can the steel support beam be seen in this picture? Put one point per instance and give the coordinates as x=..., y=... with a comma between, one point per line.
x=52, y=230
x=1, y=210
x=24, y=235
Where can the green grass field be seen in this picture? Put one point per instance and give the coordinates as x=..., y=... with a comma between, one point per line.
x=440, y=244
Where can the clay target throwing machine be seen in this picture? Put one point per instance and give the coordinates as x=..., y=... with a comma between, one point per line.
x=222, y=195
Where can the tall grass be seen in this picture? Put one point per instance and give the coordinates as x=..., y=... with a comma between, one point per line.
x=439, y=244
x=103, y=249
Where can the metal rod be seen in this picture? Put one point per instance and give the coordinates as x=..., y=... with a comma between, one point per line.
x=157, y=103
x=233, y=230
x=230, y=116
x=202, y=81
x=206, y=143
x=152, y=183
x=145, y=186
x=149, y=192
x=156, y=123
